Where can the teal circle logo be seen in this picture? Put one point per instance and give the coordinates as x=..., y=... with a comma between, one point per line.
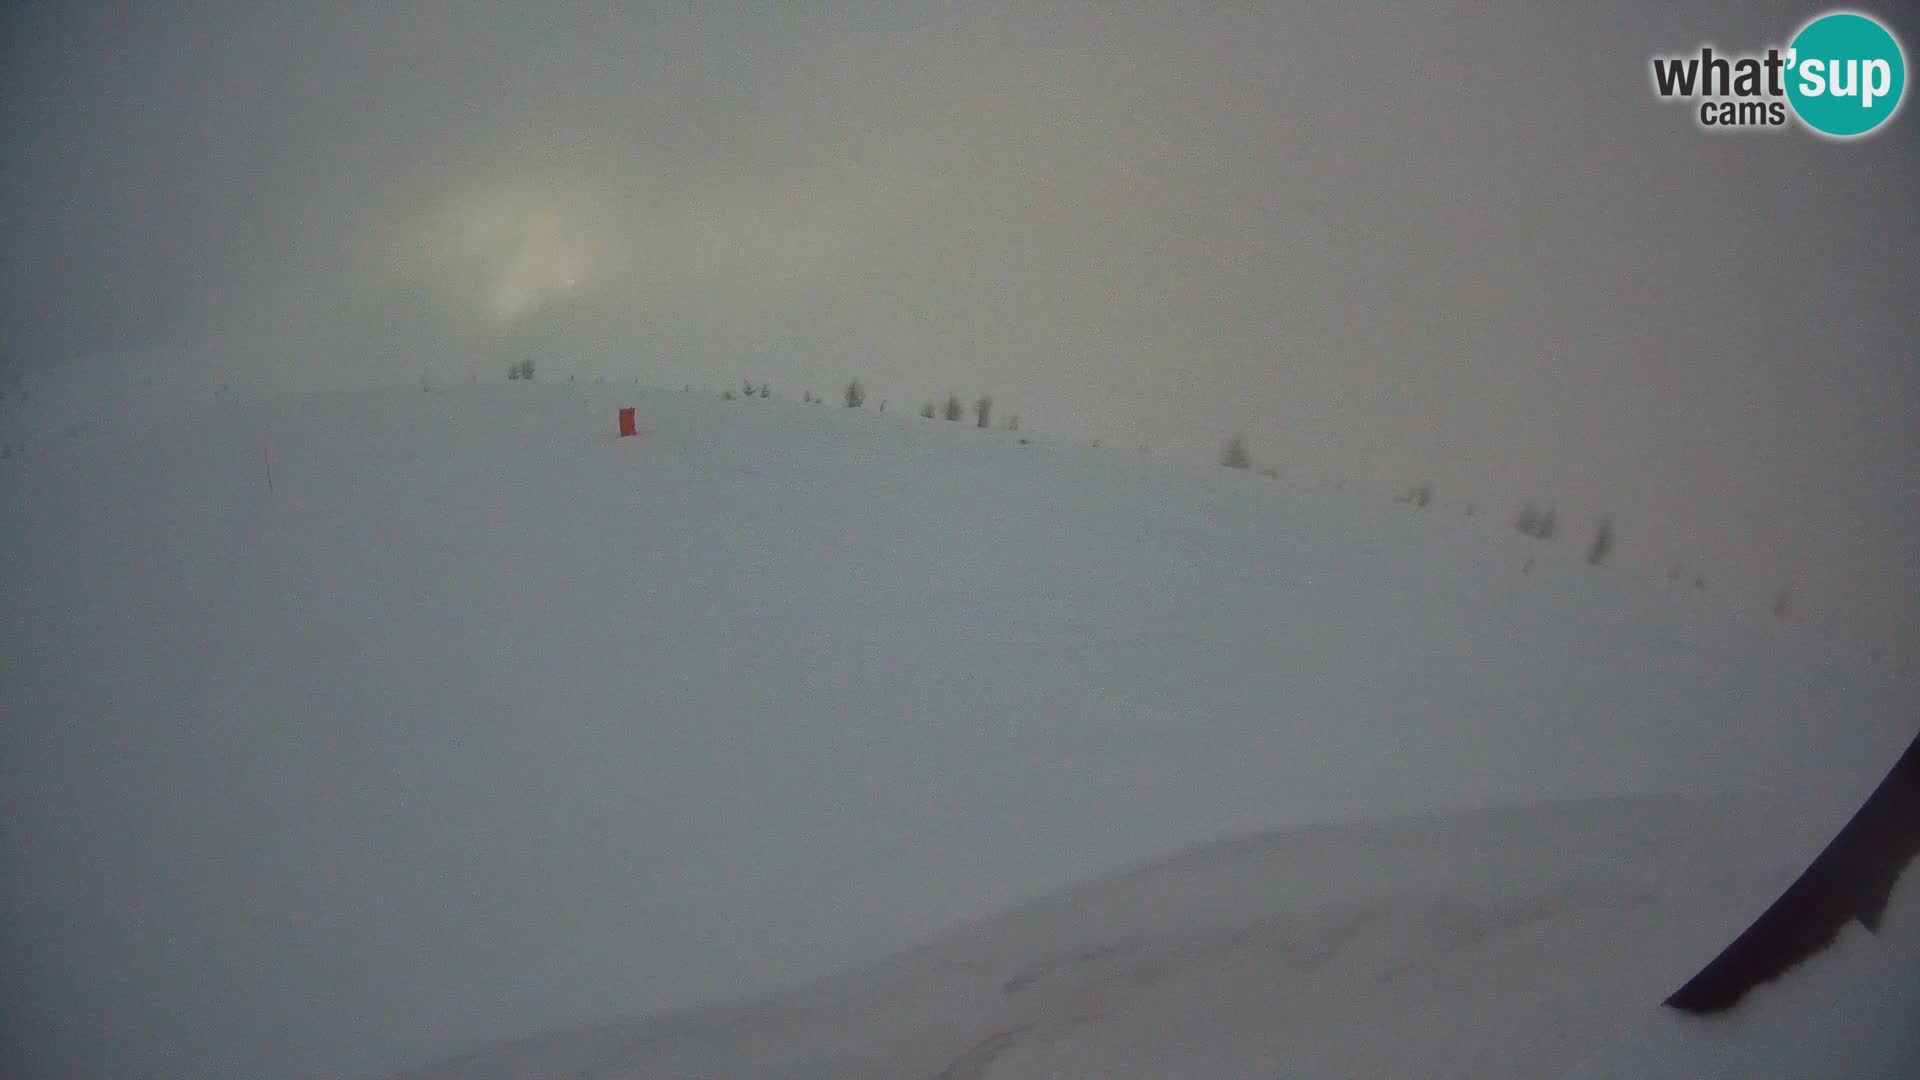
x=1846, y=74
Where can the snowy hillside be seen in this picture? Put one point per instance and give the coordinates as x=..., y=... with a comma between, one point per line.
x=479, y=722
x=1485, y=944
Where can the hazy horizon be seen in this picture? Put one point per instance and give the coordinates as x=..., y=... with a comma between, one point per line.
x=1471, y=249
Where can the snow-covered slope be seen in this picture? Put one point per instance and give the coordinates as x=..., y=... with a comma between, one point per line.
x=1482, y=944
x=480, y=722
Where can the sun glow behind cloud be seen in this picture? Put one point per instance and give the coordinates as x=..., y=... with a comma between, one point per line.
x=506, y=251
x=498, y=253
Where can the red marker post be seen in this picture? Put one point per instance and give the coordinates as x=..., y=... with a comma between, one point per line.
x=627, y=423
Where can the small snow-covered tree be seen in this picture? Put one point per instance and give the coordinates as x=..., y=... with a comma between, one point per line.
x=1527, y=521
x=856, y=394
x=955, y=410
x=1233, y=453
x=1602, y=545
x=1537, y=523
x=983, y=411
x=927, y=410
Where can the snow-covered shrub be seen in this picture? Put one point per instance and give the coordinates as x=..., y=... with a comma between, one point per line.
x=1537, y=523
x=1602, y=542
x=1234, y=455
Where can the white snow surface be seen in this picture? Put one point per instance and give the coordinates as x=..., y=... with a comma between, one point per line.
x=1499, y=943
x=481, y=723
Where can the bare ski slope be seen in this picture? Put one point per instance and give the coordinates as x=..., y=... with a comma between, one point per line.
x=480, y=722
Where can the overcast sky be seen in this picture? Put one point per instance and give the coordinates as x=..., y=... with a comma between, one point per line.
x=1388, y=246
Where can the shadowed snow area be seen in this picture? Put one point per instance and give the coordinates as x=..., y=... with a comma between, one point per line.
x=481, y=723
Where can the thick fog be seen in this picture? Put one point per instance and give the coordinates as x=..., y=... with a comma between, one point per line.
x=1467, y=248
x=1387, y=246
